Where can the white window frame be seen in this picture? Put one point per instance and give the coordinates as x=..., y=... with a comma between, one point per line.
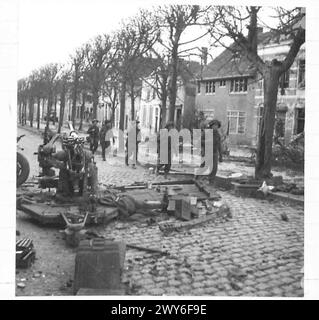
x=211, y=85
x=222, y=83
x=237, y=117
x=237, y=82
x=199, y=87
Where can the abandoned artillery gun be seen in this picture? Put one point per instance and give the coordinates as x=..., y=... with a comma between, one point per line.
x=77, y=175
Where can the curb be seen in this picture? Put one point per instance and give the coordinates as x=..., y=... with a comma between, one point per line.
x=286, y=197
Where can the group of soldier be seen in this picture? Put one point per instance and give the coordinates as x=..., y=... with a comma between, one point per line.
x=96, y=135
x=104, y=136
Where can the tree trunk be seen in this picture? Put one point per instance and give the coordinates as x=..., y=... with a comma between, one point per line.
x=62, y=108
x=132, y=102
x=24, y=113
x=95, y=93
x=49, y=108
x=122, y=105
x=113, y=107
x=173, y=85
x=55, y=103
x=73, y=110
x=266, y=129
x=82, y=111
x=112, y=116
x=43, y=105
x=38, y=112
x=31, y=110
x=20, y=112
x=163, y=108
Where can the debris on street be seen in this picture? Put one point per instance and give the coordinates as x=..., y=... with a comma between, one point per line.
x=222, y=213
x=25, y=253
x=151, y=250
x=98, y=266
x=130, y=238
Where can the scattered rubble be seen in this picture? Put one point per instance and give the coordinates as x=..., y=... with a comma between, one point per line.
x=21, y=285
x=219, y=213
x=151, y=250
x=99, y=261
x=25, y=253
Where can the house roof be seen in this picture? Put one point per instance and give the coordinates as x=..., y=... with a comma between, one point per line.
x=230, y=63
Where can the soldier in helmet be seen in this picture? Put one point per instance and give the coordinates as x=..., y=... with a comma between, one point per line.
x=93, y=131
x=217, y=149
x=167, y=167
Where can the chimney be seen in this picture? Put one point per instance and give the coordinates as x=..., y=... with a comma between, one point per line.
x=204, y=56
x=260, y=30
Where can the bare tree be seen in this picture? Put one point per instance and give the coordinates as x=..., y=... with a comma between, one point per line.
x=232, y=24
x=77, y=68
x=50, y=73
x=134, y=40
x=100, y=54
x=22, y=100
x=173, y=20
x=31, y=96
x=62, y=87
x=111, y=89
x=158, y=80
x=39, y=93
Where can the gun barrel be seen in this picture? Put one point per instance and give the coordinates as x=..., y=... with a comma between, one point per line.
x=70, y=126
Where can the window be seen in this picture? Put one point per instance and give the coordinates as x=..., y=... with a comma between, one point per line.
x=210, y=86
x=222, y=83
x=154, y=93
x=301, y=74
x=238, y=85
x=260, y=84
x=148, y=94
x=198, y=87
x=236, y=121
x=236, y=57
x=300, y=120
x=284, y=82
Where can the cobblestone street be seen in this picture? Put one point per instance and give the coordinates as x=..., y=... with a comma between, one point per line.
x=255, y=253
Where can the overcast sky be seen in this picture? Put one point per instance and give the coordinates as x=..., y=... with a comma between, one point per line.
x=51, y=30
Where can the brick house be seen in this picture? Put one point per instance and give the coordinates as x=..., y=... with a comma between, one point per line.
x=230, y=90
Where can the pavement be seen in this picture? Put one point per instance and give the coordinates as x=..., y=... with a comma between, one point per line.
x=255, y=253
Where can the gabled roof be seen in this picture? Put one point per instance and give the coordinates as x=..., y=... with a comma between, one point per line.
x=230, y=63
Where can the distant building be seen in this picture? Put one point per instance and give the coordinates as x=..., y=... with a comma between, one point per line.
x=231, y=91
